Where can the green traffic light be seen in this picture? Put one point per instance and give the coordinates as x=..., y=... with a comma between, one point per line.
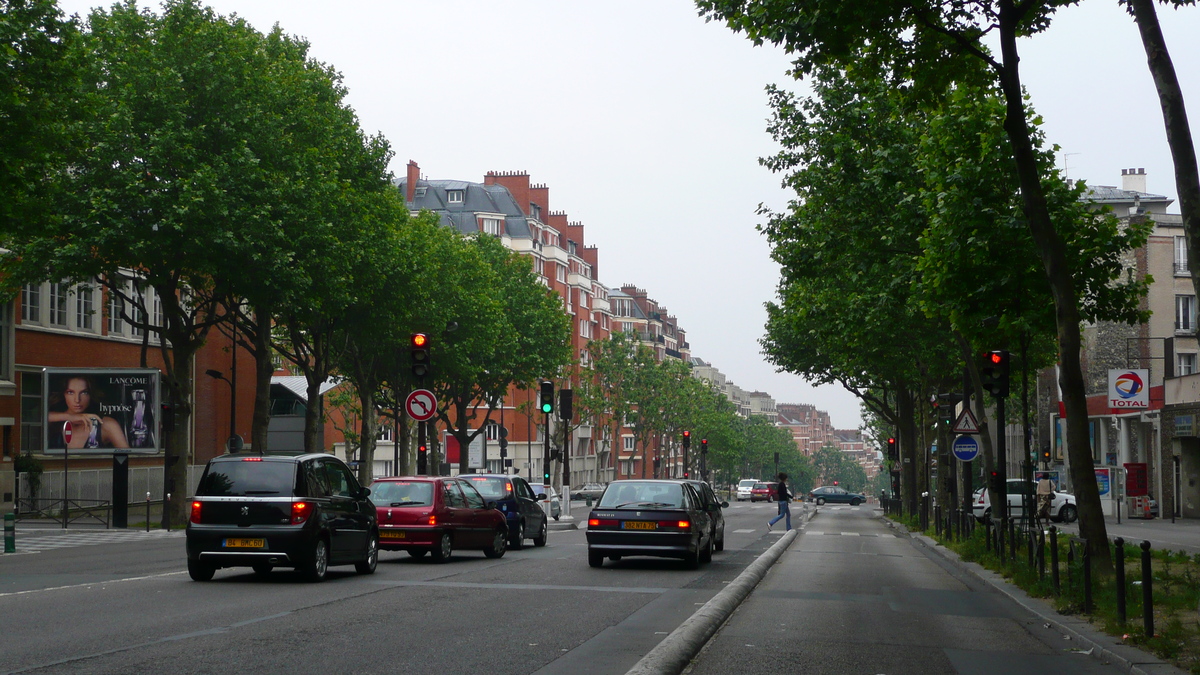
x=546, y=407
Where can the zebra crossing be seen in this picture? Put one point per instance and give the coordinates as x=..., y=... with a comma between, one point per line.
x=36, y=543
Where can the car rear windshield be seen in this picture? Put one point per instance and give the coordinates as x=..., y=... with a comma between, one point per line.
x=492, y=488
x=762, y=486
x=402, y=493
x=247, y=479
x=665, y=495
x=747, y=483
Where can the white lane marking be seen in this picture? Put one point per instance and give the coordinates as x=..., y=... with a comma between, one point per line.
x=91, y=583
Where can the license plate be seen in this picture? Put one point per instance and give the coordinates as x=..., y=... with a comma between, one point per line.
x=392, y=535
x=638, y=525
x=245, y=543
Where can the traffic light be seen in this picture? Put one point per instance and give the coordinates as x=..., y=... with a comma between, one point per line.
x=422, y=459
x=893, y=451
x=566, y=399
x=1046, y=454
x=418, y=354
x=994, y=374
x=546, y=396
x=703, y=445
x=687, y=440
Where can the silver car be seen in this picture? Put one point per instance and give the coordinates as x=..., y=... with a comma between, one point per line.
x=548, y=496
x=1062, y=509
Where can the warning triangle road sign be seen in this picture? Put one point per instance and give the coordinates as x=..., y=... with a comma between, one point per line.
x=966, y=423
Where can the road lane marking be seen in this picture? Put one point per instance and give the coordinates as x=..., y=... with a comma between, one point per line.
x=90, y=583
x=525, y=587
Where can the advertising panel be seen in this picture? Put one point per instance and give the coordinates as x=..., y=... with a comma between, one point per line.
x=1103, y=480
x=1129, y=389
x=108, y=410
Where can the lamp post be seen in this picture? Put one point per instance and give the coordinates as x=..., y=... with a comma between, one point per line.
x=218, y=375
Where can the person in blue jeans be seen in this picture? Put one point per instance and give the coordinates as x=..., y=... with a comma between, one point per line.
x=784, y=497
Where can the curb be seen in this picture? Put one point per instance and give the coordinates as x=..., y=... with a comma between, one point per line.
x=1098, y=645
x=677, y=650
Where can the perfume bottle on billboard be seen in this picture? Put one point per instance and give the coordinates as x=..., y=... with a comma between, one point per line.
x=139, y=427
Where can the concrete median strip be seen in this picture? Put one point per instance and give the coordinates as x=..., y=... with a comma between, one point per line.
x=677, y=650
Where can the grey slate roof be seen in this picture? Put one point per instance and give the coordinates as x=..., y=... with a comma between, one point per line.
x=1106, y=194
x=477, y=198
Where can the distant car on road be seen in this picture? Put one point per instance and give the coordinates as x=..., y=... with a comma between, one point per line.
x=593, y=490
x=551, y=499
x=436, y=515
x=744, y=487
x=1062, y=509
x=518, y=502
x=763, y=492
x=833, y=494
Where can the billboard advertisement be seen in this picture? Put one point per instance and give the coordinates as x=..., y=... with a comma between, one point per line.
x=108, y=410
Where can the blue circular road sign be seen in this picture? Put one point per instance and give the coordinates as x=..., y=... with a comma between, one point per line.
x=966, y=448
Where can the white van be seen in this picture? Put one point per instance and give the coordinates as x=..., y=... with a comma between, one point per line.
x=744, y=487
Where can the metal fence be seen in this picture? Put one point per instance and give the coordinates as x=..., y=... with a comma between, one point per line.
x=93, y=485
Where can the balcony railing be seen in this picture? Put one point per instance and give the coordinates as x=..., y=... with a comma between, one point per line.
x=1181, y=268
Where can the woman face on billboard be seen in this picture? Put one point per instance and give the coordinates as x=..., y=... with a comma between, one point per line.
x=77, y=395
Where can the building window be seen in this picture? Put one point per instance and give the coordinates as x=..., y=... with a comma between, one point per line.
x=1187, y=364
x=585, y=329
x=627, y=467
x=116, y=305
x=1181, y=256
x=85, y=308
x=1185, y=313
x=6, y=342
x=628, y=443
x=138, y=312
x=454, y=196
x=58, y=304
x=156, y=315
x=31, y=412
x=539, y=266
x=31, y=303
x=492, y=431
x=560, y=273
x=491, y=226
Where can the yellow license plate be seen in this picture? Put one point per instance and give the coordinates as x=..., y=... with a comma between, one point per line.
x=245, y=543
x=639, y=525
x=392, y=535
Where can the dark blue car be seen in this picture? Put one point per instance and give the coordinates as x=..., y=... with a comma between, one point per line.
x=517, y=501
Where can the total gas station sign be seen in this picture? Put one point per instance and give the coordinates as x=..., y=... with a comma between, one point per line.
x=1129, y=389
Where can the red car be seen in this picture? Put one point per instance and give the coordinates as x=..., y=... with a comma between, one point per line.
x=436, y=515
x=762, y=492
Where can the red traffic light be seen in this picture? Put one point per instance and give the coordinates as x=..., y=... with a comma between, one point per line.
x=995, y=357
x=420, y=340
x=687, y=434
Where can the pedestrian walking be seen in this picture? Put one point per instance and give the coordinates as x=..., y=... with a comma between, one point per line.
x=784, y=497
x=1045, y=497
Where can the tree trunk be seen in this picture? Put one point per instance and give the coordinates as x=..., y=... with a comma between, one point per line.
x=313, y=413
x=908, y=448
x=1067, y=316
x=264, y=367
x=368, y=433
x=1175, y=121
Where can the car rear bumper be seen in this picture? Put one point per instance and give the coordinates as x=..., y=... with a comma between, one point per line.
x=663, y=545
x=408, y=537
x=286, y=546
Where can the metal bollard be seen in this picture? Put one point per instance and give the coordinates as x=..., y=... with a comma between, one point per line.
x=1147, y=591
x=1054, y=559
x=1120, y=572
x=10, y=533
x=167, y=511
x=1041, y=554
x=147, y=511
x=1087, y=579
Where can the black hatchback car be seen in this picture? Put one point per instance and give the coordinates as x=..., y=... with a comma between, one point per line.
x=661, y=518
x=515, y=498
x=306, y=512
x=713, y=506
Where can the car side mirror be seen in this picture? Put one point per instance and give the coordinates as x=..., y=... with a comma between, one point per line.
x=364, y=492
x=491, y=505
x=541, y=495
x=724, y=505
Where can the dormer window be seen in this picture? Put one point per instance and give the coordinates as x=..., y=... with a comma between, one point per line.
x=491, y=226
x=454, y=196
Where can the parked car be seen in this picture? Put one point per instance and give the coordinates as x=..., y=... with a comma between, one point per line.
x=661, y=518
x=744, y=487
x=593, y=490
x=763, y=492
x=548, y=496
x=437, y=515
x=517, y=501
x=833, y=494
x=1062, y=509
x=306, y=512
x=713, y=505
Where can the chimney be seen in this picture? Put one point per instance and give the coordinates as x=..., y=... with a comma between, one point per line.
x=410, y=188
x=1133, y=180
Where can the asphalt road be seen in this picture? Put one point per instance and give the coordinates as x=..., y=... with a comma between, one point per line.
x=126, y=605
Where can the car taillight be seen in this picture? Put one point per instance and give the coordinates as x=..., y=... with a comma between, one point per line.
x=196, y=512
x=252, y=459
x=300, y=512
x=433, y=520
x=599, y=522
x=680, y=524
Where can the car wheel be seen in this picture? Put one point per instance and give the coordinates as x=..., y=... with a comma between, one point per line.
x=692, y=560
x=316, y=567
x=262, y=569
x=820, y=501
x=369, y=562
x=418, y=552
x=1067, y=513
x=595, y=559
x=201, y=571
x=720, y=545
x=706, y=554
x=441, y=553
x=540, y=539
x=518, y=539
x=499, y=544
x=854, y=502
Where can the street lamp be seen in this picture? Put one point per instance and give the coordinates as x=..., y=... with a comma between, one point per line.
x=218, y=375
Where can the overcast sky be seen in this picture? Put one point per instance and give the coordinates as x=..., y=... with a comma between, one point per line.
x=647, y=124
